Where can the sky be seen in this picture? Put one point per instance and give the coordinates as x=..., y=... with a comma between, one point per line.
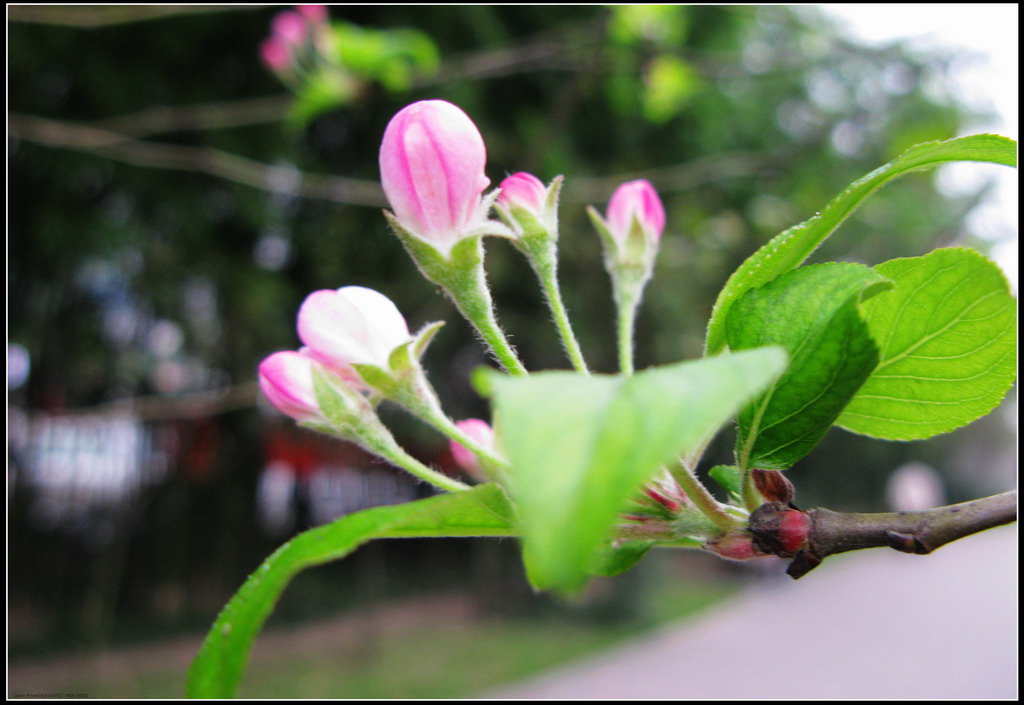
x=988, y=78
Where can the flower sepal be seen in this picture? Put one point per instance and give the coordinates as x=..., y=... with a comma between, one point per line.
x=440, y=266
x=531, y=215
x=460, y=273
x=636, y=252
x=404, y=377
x=349, y=414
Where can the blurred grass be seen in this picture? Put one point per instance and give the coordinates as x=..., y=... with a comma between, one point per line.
x=449, y=648
x=460, y=658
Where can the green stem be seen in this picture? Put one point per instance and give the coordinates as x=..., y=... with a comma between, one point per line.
x=419, y=398
x=460, y=274
x=543, y=259
x=479, y=311
x=703, y=499
x=393, y=452
x=446, y=426
x=627, y=306
x=748, y=491
x=572, y=346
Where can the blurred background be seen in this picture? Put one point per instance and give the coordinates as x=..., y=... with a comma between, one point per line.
x=181, y=177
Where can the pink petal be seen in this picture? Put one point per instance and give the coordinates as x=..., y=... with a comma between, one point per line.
x=314, y=13
x=353, y=325
x=432, y=162
x=289, y=26
x=524, y=191
x=636, y=199
x=481, y=432
x=275, y=54
x=286, y=379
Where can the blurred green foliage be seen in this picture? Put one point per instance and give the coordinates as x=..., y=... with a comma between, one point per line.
x=746, y=118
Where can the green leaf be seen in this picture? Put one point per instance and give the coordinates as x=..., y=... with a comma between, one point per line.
x=947, y=335
x=812, y=313
x=728, y=478
x=670, y=82
x=321, y=91
x=616, y=558
x=581, y=446
x=789, y=249
x=220, y=664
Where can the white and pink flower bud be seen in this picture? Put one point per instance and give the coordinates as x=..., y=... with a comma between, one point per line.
x=481, y=432
x=353, y=325
x=276, y=54
x=636, y=201
x=524, y=191
x=432, y=170
x=290, y=27
x=315, y=14
x=286, y=379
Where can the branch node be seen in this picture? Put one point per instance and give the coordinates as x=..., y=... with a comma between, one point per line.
x=803, y=563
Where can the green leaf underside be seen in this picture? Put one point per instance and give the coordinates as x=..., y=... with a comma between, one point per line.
x=220, y=664
x=581, y=446
x=615, y=559
x=791, y=248
x=812, y=313
x=947, y=337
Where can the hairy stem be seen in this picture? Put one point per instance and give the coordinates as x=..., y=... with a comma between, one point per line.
x=397, y=455
x=626, y=306
x=703, y=499
x=547, y=273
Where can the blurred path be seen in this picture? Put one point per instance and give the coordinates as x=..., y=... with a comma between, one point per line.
x=874, y=624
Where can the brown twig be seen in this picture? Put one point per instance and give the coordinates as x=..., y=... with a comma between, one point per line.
x=91, y=17
x=826, y=532
x=125, y=148
x=203, y=116
x=277, y=179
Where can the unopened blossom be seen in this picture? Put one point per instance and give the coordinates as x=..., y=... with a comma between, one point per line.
x=286, y=379
x=289, y=26
x=314, y=13
x=352, y=325
x=636, y=202
x=481, y=432
x=275, y=54
x=524, y=191
x=432, y=169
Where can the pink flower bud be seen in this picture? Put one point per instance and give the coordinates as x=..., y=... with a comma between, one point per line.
x=314, y=13
x=289, y=26
x=636, y=200
x=275, y=54
x=524, y=191
x=432, y=169
x=353, y=325
x=737, y=546
x=286, y=379
x=479, y=431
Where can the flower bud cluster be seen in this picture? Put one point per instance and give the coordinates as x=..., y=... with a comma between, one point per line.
x=340, y=329
x=357, y=347
x=296, y=38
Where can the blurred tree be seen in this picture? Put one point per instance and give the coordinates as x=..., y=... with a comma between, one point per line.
x=166, y=223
